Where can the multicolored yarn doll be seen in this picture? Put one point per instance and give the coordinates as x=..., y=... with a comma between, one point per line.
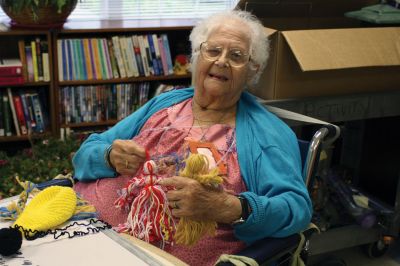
x=188, y=231
x=150, y=218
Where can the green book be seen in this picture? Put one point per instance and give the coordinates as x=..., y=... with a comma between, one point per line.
x=7, y=114
x=2, y=130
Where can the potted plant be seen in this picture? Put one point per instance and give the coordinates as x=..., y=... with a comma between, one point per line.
x=38, y=13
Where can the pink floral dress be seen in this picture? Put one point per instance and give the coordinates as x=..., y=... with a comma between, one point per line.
x=164, y=136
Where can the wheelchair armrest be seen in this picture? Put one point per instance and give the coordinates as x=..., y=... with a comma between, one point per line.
x=268, y=249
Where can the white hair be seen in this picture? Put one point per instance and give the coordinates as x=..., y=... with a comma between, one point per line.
x=259, y=44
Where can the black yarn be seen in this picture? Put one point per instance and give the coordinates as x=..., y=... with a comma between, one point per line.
x=10, y=241
x=57, y=233
x=11, y=238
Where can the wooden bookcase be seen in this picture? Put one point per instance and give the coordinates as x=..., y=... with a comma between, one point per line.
x=178, y=34
x=9, y=43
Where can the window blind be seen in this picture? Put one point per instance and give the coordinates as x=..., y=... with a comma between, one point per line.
x=145, y=9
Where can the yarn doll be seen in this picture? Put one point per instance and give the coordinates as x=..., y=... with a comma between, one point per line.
x=188, y=231
x=150, y=218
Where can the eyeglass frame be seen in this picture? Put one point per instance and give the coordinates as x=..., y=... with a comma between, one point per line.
x=229, y=60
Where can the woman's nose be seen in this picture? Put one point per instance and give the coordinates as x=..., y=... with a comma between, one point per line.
x=222, y=60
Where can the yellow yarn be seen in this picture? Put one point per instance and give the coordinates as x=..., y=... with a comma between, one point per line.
x=49, y=208
x=188, y=231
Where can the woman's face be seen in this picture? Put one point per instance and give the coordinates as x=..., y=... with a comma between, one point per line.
x=218, y=81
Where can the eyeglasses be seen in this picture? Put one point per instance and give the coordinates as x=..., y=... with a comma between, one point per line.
x=236, y=57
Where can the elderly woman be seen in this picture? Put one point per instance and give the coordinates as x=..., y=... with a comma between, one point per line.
x=263, y=191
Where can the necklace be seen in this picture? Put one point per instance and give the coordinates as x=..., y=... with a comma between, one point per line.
x=200, y=121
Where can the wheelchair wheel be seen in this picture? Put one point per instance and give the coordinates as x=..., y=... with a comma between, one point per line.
x=376, y=249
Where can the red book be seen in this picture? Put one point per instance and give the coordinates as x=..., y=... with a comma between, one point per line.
x=10, y=68
x=20, y=114
x=17, y=80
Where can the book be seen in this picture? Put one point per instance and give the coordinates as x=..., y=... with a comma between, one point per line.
x=11, y=67
x=28, y=112
x=125, y=56
x=2, y=127
x=6, y=115
x=88, y=63
x=102, y=60
x=113, y=60
x=17, y=80
x=144, y=56
x=13, y=112
x=164, y=37
x=29, y=62
x=97, y=63
x=92, y=59
x=68, y=61
x=153, y=54
x=148, y=54
x=34, y=61
x=61, y=60
x=45, y=59
x=158, y=54
x=22, y=57
x=118, y=56
x=39, y=59
x=138, y=57
x=82, y=60
x=38, y=113
x=131, y=56
x=163, y=56
x=107, y=59
x=19, y=111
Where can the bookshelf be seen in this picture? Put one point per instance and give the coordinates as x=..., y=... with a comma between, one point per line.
x=58, y=85
x=27, y=107
x=78, y=90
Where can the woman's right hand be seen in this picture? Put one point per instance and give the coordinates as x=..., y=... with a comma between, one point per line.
x=126, y=156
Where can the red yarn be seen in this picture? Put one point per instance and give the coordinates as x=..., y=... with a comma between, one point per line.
x=150, y=217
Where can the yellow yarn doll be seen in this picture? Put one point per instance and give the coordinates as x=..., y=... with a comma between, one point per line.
x=188, y=231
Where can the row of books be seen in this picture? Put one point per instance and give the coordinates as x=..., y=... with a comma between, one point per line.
x=79, y=104
x=115, y=57
x=22, y=112
x=34, y=55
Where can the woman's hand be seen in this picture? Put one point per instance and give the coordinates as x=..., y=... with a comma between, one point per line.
x=198, y=202
x=126, y=156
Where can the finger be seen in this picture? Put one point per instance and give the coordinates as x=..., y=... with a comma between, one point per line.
x=175, y=204
x=133, y=148
x=174, y=195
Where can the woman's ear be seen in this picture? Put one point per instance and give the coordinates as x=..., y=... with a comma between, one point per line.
x=253, y=70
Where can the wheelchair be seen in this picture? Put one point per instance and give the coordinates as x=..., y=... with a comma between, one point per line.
x=281, y=251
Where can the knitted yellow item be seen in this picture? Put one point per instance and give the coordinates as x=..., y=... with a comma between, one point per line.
x=49, y=208
x=188, y=232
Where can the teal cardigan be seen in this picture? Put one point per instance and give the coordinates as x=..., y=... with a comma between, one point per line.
x=268, y=155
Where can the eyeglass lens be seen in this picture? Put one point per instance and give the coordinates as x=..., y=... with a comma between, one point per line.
x=235, y=56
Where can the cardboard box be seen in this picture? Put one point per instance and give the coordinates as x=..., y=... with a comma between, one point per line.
x=307, y=63
x=304, y=14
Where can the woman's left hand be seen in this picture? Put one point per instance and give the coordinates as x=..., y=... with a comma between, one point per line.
x=193, y=200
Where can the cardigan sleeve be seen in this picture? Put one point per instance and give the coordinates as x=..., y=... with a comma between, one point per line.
x=280, y=205
x=88, y=161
